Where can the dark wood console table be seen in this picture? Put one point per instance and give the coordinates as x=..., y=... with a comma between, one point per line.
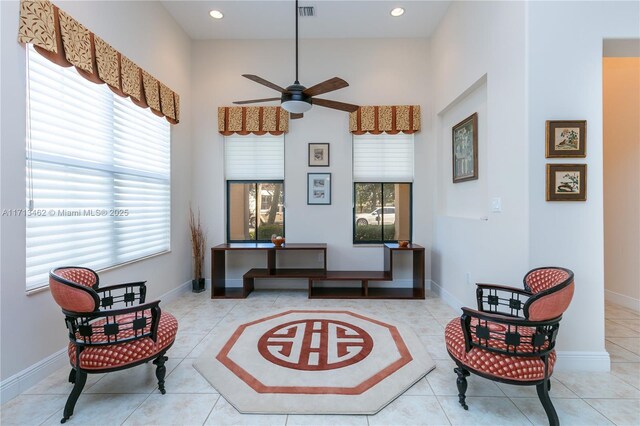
x=220, y=290
x=218, y=268
x=364, y=291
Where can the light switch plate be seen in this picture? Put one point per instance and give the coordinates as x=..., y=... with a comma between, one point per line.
x=496, y=204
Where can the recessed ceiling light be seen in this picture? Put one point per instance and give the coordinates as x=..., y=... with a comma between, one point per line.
x=398, y=11
x=216, y=14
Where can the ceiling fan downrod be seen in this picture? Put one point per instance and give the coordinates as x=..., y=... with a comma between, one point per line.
x=297, y=13
x=296, y=98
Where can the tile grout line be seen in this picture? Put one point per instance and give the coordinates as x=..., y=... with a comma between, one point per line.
x=52, y=414
x=211, y=411
x=446, y=416
x=522, y=412
x=598, y=411
x=136, y=409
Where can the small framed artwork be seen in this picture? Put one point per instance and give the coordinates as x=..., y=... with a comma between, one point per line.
x=318, y=155
x=566, y=139
x=566, y=182
x=319, y=188
x=465, y=149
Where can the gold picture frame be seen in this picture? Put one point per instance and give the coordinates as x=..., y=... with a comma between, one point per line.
x=566, y=139
x=566, y=182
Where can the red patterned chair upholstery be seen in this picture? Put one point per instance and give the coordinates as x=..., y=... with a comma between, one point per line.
x=104, y=339
x=511, y=337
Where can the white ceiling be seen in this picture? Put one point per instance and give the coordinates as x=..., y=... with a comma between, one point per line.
x=266, y=19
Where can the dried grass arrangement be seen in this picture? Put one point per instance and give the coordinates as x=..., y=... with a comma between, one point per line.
x=197, y=247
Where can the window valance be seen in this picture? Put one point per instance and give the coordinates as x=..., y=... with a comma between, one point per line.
x=66, y=42
x=391, y=119
x=256, y=120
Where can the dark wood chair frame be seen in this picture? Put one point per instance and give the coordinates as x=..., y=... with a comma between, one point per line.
x=509, y=307
x=82, y=326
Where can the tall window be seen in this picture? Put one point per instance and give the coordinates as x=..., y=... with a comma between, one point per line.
x=98, y=175
x=382, y=189
x=254, y=169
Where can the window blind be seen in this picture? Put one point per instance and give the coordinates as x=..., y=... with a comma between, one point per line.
x=254, y=157
x=383, y=158
x=98, y=174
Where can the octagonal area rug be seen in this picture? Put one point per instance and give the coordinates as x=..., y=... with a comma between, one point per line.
x=314, y=361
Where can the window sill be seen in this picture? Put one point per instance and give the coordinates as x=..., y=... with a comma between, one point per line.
x=45, y=287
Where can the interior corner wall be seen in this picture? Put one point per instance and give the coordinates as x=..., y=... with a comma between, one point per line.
x=379, y=72
x=565, y=49
x=478, y=65
x=621, y=145
x=32, y=327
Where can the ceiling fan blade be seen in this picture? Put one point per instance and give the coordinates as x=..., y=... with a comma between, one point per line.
x=330, y=85
x=253, y=101
x=334, y=104
x=295, y=116
x=264, y=82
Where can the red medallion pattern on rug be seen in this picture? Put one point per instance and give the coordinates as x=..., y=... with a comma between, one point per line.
x=315, y=344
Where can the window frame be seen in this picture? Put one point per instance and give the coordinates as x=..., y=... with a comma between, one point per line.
x=382, y=240
x=228, y=208
x=43, y=160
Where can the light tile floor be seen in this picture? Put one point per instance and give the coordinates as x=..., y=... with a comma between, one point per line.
x=130, y=397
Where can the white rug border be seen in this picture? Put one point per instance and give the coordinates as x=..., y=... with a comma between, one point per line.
x=367, y=403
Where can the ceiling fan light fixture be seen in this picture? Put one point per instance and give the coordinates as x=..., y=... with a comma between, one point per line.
x=297, y=99
x=397, y=11
x=296, y=107
x=216, y=14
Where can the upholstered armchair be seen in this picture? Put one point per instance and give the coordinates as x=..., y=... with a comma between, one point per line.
x=511, y=337
x=110, y=328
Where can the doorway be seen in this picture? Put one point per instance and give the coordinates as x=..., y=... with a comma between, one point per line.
x=621, y=154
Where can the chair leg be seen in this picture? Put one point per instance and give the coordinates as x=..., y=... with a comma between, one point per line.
x=80, y=378
x=161, y=370
x=543, y=394
x=72, y=376
x=461, y=381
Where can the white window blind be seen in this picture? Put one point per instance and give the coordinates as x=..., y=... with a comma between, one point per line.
x=383, y=158
x=254, y=157
x=98, y=172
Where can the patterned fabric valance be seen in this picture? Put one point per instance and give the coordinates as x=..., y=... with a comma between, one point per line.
x=66, y=42
x=385, y=119
x=257, y=120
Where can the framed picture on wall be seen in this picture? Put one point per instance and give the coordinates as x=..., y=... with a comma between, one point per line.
x=566, y=182
x=319, y=188
x=566, y=139
x=318, y=155
x=465, y=149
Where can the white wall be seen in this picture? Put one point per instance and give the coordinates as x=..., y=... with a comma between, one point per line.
x=622, y=180
x=32, y=326
x=380, y=72
x=565, y=82
x=478, y=65
x=542, y=60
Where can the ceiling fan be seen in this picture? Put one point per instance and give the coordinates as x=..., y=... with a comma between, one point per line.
x=298, y=99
